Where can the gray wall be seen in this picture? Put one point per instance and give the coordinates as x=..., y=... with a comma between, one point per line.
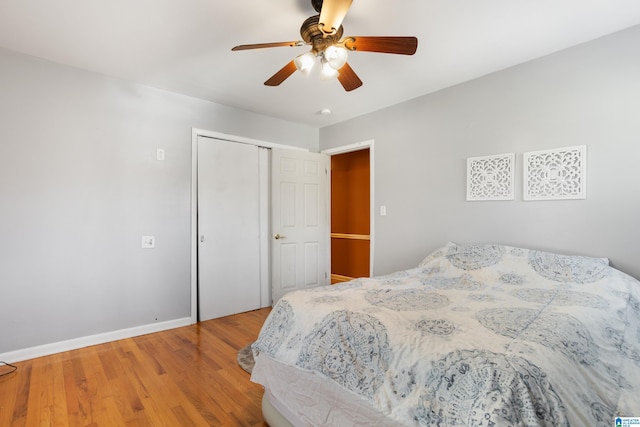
x=589, y=95
x=79, y=186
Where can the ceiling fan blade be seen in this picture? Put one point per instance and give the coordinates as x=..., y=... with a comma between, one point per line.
x=264, y=45
x=398, y=45
x=332, y=14
x=282, y=75
x=348, y=78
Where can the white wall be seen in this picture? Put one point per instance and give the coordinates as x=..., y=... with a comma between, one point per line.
x=589, y=95
x=79, y=186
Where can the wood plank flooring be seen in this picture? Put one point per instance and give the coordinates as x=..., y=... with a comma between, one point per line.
x=182, y=377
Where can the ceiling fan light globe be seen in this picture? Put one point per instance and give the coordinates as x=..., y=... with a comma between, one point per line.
x=336, y=56
x=327, y=72
x=304, y=63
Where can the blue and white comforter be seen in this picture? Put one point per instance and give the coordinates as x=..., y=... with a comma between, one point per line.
x=476, y=335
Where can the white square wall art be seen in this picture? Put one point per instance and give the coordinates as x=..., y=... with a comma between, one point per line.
x=560, y=173
x=490, y=177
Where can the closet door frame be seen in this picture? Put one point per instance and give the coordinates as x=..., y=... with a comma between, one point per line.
x=195, y=133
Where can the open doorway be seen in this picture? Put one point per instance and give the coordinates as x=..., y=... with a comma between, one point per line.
x=351, y=220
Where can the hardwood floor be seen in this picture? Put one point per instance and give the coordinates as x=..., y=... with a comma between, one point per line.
x=182, y=377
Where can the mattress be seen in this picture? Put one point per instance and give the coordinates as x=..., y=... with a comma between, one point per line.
x=304, y=398
x=474, y=335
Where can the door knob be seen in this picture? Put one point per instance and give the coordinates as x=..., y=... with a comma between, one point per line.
x=278, y=236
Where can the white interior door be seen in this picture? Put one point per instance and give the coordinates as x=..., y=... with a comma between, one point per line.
x=231, y=211
x=300, y=220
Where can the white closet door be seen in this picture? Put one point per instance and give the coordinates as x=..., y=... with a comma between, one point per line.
x=230, y=204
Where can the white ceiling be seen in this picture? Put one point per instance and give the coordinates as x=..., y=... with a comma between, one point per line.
x=185, y=46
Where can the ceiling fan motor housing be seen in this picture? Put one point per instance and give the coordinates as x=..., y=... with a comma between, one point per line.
x=312, y=34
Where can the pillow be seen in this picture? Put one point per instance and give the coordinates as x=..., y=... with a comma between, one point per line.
x=568, y=268
x=438, y=253
x=552, y=266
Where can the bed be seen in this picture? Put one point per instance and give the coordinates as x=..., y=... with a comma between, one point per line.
x=475, y=335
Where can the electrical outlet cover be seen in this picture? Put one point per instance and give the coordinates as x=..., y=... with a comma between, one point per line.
x=148, y=242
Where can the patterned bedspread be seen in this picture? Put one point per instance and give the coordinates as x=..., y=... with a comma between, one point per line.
x=476, y=335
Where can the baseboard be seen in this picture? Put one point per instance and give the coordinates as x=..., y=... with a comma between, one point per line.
x=73, y=344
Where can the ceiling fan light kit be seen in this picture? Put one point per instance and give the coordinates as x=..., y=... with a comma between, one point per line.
x=331, y=60
x=323, y=33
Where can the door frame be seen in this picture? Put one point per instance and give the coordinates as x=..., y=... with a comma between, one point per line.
x=195, y=133
x=363, y=145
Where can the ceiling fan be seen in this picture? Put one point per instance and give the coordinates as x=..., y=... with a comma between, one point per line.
x=323, y=33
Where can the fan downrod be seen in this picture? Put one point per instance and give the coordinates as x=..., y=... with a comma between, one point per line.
x=317, y=5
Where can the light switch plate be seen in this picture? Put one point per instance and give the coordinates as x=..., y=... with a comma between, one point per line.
x=148, y=242
x=160, y=154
